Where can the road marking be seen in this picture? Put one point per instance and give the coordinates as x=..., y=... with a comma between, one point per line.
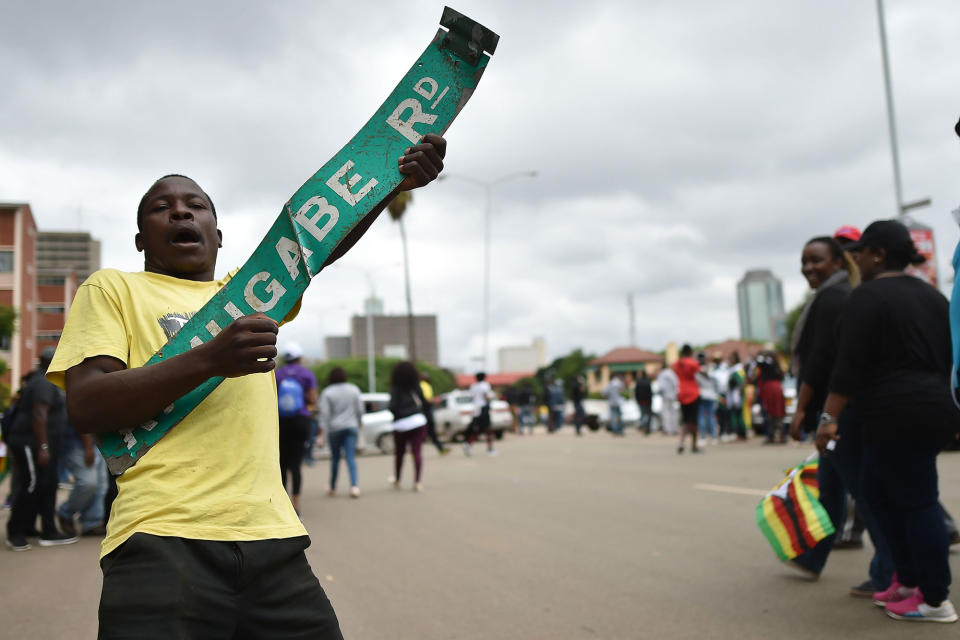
x=725, y=489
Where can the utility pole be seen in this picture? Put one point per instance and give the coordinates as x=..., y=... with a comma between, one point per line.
x=633, y=320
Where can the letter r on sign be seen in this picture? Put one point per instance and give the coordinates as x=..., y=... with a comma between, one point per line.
x=405, y=127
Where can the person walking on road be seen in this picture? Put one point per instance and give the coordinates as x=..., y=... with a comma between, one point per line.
x=814, y=345
x=35, y=442
x=669, y=386
x=427, y=390
x=688, y=394
x=770, y=390
x=579, y=393
x=85, y=503
x=736, y=392
x=643, y=393
x=409, y=421
x=296, y=394
x=526, y=401
x=481, y=394
x=614, y=394
x=709, y=394
x=557, y=403
x=894, y=364
x=341, y=416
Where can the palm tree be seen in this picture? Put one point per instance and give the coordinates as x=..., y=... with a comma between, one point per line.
x=397, y=207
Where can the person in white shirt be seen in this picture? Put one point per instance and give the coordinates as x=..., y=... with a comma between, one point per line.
x=614, y=394
x=482, y=394
x=668, y=384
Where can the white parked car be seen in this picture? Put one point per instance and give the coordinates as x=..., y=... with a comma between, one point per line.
x=629, y=412
x=453, y=411
x=377, y=428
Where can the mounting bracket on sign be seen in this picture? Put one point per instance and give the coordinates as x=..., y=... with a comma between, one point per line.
x=466, y=38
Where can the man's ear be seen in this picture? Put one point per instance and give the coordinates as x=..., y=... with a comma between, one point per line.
x=219, y=238
x=138, y=242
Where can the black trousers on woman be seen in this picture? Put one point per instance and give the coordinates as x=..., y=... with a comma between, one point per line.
x=293, y=441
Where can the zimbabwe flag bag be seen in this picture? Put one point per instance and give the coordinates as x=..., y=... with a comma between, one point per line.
x=791, y=516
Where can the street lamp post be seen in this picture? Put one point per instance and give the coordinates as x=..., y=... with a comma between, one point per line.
x=902, y=207
x=487, y=186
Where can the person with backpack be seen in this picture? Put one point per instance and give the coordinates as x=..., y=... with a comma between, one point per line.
x=409, y=421
x=296, y=393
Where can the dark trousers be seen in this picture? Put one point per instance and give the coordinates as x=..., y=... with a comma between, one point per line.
x=432, y=428
x=901, y=489
x=840, y=471
x=36, y=490
x=415, y=438
x=165, y=587
x=293, y=441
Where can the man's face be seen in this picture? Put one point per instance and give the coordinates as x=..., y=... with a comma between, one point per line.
x=179, y=235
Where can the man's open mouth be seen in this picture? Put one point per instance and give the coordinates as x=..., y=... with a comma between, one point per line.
x=185, y=237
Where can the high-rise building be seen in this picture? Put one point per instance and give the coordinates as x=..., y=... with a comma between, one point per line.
x=64, y=260
x=18, y=288
x=391, y=337
x=61, y=251
x=760, y=303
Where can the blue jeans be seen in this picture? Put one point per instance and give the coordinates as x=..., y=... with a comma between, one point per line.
x=840, y=471
x=344, y=440
x=89, y=488
x=707, y=418
x=525, y=418
x=616, y=419
x=900, y=483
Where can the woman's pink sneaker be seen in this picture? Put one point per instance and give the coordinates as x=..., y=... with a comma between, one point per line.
x=896, y=592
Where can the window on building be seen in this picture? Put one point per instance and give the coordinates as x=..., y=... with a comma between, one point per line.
x=6, y=261
x=5, y=343
x=47, y=281
x=50, y=308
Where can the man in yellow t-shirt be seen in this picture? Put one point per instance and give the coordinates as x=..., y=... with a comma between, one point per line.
x=202, y=540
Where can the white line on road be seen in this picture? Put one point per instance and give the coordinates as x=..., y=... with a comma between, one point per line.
x=725, y=489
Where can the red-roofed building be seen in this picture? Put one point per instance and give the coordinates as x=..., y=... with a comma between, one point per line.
x=496, y=380
x=746, y=350
x=622, y=360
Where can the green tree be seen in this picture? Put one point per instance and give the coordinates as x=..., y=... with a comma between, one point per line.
x=566, y=368
x=790, y=323
x=8, y=324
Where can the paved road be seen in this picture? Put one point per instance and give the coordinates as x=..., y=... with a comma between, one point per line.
x=558, y=537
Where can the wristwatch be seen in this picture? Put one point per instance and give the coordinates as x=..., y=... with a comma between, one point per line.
x=44, y=447
x=826, y=418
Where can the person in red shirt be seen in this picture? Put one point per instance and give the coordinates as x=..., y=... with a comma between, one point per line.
x=688, y=394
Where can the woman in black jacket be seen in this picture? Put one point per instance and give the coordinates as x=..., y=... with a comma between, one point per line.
x=830, y=273
x=409, y=421
x=894, y=363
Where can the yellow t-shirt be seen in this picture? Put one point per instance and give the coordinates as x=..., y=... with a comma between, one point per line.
x=214, y=476
x=427, y=390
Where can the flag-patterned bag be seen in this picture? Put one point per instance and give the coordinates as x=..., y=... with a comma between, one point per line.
x=791, y=516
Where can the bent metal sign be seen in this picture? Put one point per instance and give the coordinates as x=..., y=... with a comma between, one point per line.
x=324, y=210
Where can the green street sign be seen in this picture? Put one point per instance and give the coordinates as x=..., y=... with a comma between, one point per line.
x=324, y=210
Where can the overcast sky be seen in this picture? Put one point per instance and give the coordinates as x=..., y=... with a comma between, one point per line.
x=677, y=145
